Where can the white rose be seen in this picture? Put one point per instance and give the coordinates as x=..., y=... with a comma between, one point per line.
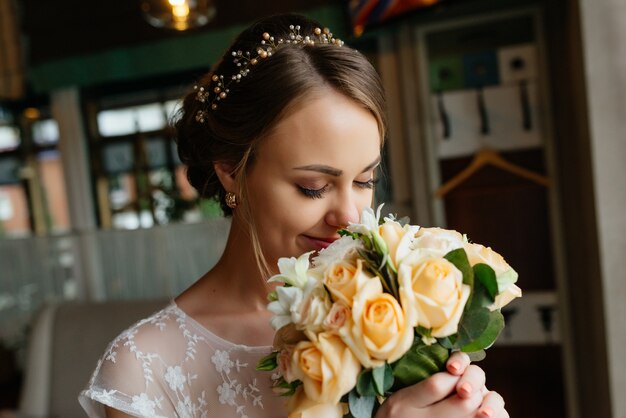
x=444, y=240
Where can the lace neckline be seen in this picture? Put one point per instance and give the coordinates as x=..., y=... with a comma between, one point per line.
x=212, y=335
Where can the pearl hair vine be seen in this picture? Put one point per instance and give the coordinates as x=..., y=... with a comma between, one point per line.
x=218, y=88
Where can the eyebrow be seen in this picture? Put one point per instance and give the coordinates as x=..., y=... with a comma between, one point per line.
x=335, y=172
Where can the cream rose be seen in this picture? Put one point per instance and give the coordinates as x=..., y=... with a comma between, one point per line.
x=327, y=368
x=299, y=406
x=314, y=307
x=397, y=238
x=444, y=240
x=341, y=280
x=379, y=329
x=505, y=275
x=434, y=289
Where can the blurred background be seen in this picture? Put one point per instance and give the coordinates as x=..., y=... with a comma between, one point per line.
x=505, y=124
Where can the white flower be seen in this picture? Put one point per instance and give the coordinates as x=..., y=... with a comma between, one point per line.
x=286, y=308
x=293, y=271
x=335, y=252
x=227, y=394
x=222, y=361
x=175, y=378
x=369, y=222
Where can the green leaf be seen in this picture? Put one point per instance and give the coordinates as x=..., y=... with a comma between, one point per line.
x=361, y=406
x=480, y=329
x=420, y=362
x=487, y=277
x=458, y=257
x=448, y=342
x=477, y=356
x=268, y=362
x=383, y=378
x=272, y=296
x=365, y=383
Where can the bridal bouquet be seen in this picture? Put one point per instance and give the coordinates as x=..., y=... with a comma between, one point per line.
x=378, y=310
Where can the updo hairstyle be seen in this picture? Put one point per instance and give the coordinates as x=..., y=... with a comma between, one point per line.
x=275, y=86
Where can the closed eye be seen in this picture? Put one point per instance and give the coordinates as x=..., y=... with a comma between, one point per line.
x=313, y=193
x=366, y=184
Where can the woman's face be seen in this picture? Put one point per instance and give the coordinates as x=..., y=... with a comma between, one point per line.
x=313, y=175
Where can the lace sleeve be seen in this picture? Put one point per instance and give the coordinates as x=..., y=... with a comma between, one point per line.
x=168, y=365
x=127, y=378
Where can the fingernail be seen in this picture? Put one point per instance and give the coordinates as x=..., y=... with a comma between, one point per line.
x=455, y=366
x=466, y=389
x=486, y=411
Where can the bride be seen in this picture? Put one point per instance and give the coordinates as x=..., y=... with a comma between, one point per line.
x=286, y=131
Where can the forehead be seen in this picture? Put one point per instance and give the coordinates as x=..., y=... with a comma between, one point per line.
x=327, y=128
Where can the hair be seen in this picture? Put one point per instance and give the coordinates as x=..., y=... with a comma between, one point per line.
x=274, y=87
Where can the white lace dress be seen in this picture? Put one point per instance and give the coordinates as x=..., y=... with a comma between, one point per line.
x=168, y=365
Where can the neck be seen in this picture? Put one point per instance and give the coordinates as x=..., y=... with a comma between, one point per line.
x=238, y=272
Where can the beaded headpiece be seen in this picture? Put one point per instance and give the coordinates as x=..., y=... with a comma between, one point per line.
x=218, y=88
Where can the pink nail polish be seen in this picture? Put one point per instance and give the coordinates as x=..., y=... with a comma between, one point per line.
x=454, y=366
x=486, y=411
x=466, y=389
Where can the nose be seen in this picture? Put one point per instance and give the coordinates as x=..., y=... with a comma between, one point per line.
x=343, y=210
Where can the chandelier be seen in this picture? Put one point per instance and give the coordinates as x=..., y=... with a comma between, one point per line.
x=178, y=14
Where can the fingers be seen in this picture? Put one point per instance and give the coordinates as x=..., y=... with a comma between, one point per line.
x=457, y=363
x=471, y=382
x=429, y=391
x=492, y=406
x=456, y=406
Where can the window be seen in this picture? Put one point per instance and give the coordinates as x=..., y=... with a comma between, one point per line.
x=139, y=179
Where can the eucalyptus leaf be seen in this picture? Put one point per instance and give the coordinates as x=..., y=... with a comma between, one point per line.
x=472, y=325
x=495, y=323
x=458, y=257
x=365, y=383
x=487, y=277
x=383, y=379
x=361, y=406
x=479, y=355
x=420, y=362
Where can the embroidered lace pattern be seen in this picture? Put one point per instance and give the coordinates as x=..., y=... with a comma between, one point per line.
x=168, y=365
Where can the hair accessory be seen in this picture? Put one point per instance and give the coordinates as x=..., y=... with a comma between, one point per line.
x=231, y=200
x=218, y=88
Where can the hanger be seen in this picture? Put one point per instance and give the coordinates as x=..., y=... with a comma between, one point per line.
x=488, y=156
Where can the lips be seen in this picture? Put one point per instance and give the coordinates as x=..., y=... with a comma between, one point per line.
x=320, y=243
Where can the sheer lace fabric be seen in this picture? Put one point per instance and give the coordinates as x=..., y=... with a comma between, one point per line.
x=168, y=365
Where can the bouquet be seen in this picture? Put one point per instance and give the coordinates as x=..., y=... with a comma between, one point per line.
x=380, y=309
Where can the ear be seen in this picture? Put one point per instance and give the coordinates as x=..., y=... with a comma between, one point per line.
x=226, y=173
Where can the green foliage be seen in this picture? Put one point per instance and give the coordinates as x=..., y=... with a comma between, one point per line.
x=361, y=406
x=289, y=388
x=268, y=362
x=458, y=257
x=479, y=329
x=365, y=383
x=383, y=378
x=487, y=277
x=420, y=362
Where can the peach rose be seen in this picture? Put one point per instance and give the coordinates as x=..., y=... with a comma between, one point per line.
x=327, y=368
x=341, y=278
x=379, y=329
x=434, y=289
x=299, y=406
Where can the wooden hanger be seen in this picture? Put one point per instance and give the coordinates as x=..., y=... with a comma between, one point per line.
x=488, y=156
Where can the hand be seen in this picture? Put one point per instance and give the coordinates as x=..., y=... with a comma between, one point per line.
x=459, y=392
